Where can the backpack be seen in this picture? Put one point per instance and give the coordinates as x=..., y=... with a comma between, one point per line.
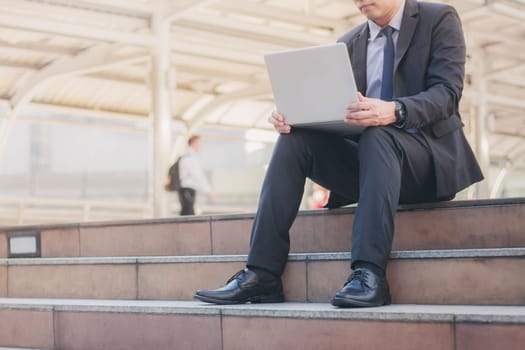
x=173, y=183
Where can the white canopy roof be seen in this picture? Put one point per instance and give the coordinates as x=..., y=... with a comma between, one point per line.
x=93, y=57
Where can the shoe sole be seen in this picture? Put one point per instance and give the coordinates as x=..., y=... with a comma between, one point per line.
x=260, y=299
x=356, y=303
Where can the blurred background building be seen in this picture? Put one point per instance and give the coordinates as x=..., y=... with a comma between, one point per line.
x=98, y=97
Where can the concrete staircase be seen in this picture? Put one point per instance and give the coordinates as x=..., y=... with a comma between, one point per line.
x=457, y=276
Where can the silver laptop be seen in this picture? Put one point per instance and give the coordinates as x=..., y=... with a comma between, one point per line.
x=312, y=86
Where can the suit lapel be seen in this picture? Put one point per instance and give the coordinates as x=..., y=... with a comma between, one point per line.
x=408, y=27
x=359, y=49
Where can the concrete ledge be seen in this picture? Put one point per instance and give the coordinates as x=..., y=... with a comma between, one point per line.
x=403, y=313
x=209, y=218
x=445, y=225
x=71, y=261
x=409, y=254
x=19, y=349
x=138, y=325
x=477, y=276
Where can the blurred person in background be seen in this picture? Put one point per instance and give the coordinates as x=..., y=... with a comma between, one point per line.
x=192, y=177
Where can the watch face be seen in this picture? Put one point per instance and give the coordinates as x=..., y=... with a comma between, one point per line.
x=400, y=112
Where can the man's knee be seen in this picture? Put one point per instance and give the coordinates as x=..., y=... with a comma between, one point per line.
x=373, y=135
x=298, y=140
x=378, y=140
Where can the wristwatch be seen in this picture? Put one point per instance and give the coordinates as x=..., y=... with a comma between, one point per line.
x=401, y=114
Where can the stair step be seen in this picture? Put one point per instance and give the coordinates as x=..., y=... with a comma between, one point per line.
x=3, y=348
x=472, y=276
x=446, y=225
x=121, y=324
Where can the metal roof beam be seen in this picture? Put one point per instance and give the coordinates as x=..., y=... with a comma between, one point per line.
x=126, y=7
x=250, y=92
x=473, y=14
x=251, y=31
x=478, y=39
x=214, y=74
x=35, y=48
x=178, y=12
x=277, y=14
x=75, y=30
x=204, y=38
x=517, y=81
x=199, y=117
x=23, y=66
x=93, y=59
x=512, y=9
x=498, y=100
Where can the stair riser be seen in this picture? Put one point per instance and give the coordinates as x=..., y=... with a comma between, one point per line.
x=26, y=328
x=3, y=280
x=129, y=331
x=480, y=227
x=495, y=281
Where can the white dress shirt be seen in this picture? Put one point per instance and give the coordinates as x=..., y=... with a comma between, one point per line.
x=374, y=54
x=191, y=173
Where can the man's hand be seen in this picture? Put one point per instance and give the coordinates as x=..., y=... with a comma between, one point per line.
x=277, y=120
x=371, y=112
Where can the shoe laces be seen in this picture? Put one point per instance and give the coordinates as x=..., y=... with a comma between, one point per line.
x=238, y=276
x=359, y=275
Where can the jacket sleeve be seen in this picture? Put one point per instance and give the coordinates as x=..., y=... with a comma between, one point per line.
x=443, y=82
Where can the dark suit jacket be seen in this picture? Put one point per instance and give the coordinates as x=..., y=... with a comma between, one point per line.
x=428, y=78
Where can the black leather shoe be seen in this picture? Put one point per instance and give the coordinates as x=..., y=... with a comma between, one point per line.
x=244, y=287
x=363, y=289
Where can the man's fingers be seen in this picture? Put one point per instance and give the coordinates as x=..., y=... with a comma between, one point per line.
x=277, y=120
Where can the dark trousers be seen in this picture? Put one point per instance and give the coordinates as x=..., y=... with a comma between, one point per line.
x=383, y=167
x=187, y=201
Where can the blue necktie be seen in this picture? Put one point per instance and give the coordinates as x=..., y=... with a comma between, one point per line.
x=387, y=86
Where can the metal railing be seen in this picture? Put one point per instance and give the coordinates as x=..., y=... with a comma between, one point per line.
x=31, y=210
x=36, y=210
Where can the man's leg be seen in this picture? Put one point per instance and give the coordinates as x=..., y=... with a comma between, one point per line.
x=327, y=159
x=187, y=201
x=394, y=165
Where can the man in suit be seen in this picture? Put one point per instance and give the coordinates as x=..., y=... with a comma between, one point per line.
x=408, y=60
